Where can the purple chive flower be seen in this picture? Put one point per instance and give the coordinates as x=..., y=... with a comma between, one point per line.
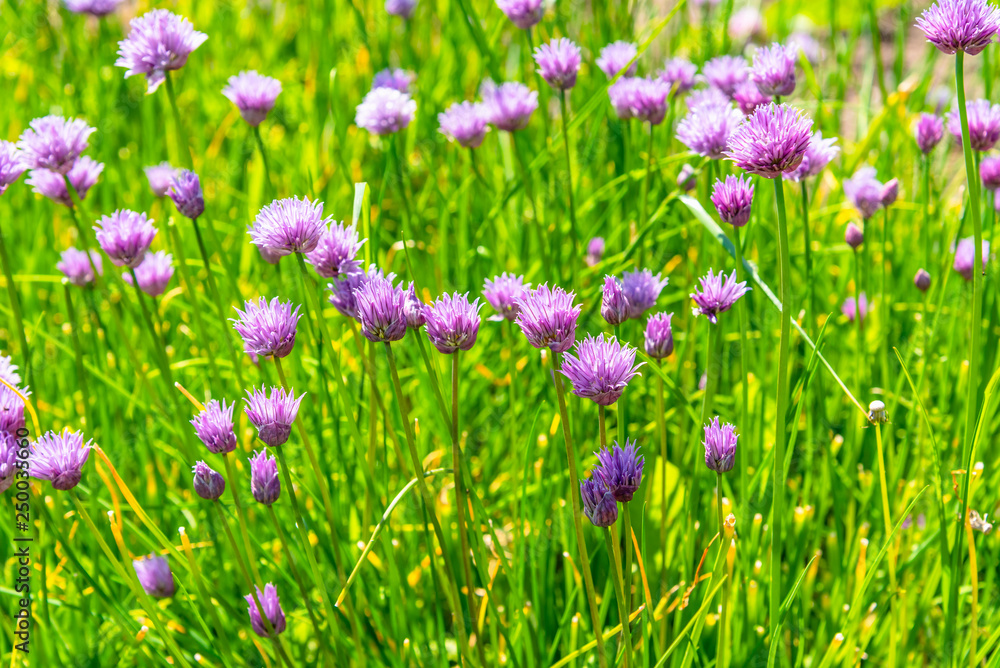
x=510, y=106
x=709, y=128
x=746, y=24
x=82, y=175
x=599, y=503
x=623, y=95
x=659, y=336
x=453, y=322
x=614, y=303
x=558, y=62
x=802, y=42
x=125, y=236
x=268, y=255
x=600, y=369
x=679, y=75
x=642, y=289
x=8, y=460
x=401, y=8
x=773, y=69
x=707, y=97
x=384, y=111
x=818, y=155
x=989, y=172
x=11, y=410
x=253, y=94
x=268, y=328
x=984, y=124
x=153, y=273
x=720, y=446
x=621, y=470
x=289, y=225
x=503, y=293
x=726, y=73
x=155, y=576
x=75, y=266
x=850, y=307
x=771, y=141
x=185, y=191
x=264, y=481
x=398, y=79
x=8, y=371
x=380, y=309
x=854, y=236
x=929, y=130
x=523, y=13
x=465, y=123
x=615, y=56
x=208, y=484
x=718, y=294
x=686, y=178
x=732, y=199
x=53, y=143
x=11, y=165
x=965, y=256
x=336, y=252
x=414, y=309
x=650, y=100
x=547, y=317
x=864, y=191
x=749, y=97
x=272, y=416
x=272, y=610
x=890, y=192
x=922, y=280
x=960, y=25
x=214, y=426
x=595, y=251
x=58, y=457
x=342, y=292
x=160, y=178
x=96, y=8
x=158, y=41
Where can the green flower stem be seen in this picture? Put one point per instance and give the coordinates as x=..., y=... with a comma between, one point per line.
x=884, y=303
x=925, y=164
x=601, y=426
x=742, y=455
x=183, y=144
x=661, y=431
x=81, y=372
x=241, y=517
x=877, y=50
x=711, y=383
x=644, y=205
x=614, y=552
x=227, y=653
x=263, y=156
x=721, y=652
x=159, y=345
x=564, y=115
x=15, y=307
x=891, y=557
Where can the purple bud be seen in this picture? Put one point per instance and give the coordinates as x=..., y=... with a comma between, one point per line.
x=864, y=191
x=659, y=336
x=160, y=178
x=214, y=426
x=158, y=41
x=989, y=172
x=720, y=446
x=599, y=504
x=264, y=481
x=414, y=309
x=272, y=611
x=854, y=236
x=890, y=192
x=922, y=280
x=401, y=8
x=185, y=191
x=965, y=257
x=595, y=251
x=614, y=303
x=850, y=307
x=718, y=294
x=928, y=131
x=453, y=322
x=621, y=470
x=272, y=416
x=125, y=236
x=75, y=266
x=732, y=199
x=155, y=576
x=57, y=457
x=253, y=94
x=208, y=484
x=153, y=273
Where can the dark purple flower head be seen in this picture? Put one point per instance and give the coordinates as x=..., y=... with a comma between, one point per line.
x=659, y=336
x=922, y=280
x=708, y=129
x=547, y=317
x=510, y=105
x=770, y=141
x=773, y=69
x=960, y=25
x=125, y=236
x=854, y=236
x=264, y=481
x=749, y=97
x=650, y=100
x=207, y=483
x=890, y=192
x=864, y=191
x=595, y=251
x=385, y=111
x=453, y=322
x=185, y=191
x=214, y=426
x=615, y=56
x=929, y=130
x=75, y=266
x=850, y=307
x=96, y=8
x=289, y=225
x=272, y=611
x=380, y=309
x=558, y=62
x=687, y=180
x=623, y=95
x=414, y=309
x=989, y=172
x=268, y=328
x=465, y=123
x=817, y=156
x=503, y=293
x=160, y=178
x=621, y=470
x=614, y=303
x=82, y=175
x=642, y=289
x=398, y=79
x=523, y=13
x=58, y=457
x=272, y=415
x=718, y=294
x=253, y=94
x=679, y=75
x=11, y=410
x=965, y=257
x=402, y=8
x=720, y=446
x=600, y=369
x=11, y=164
x=336, y=252
x=8, y=460
x=984, y=124
x=53, y=143
x=155, y=576
x=599, y=503
x=726, y=73
x=732, y=199
x=158, y=41
x=153, y=273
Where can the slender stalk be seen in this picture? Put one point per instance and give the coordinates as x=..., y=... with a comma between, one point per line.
x=645, y=180
x=711, y=382
x=661, y=431
x=742, y=456
x=614, y=553
x=81, y=372
x=241, y=517
x=183, y=144
x=877, y=50
x=925, y=165
x=263, y=155
x=199, y=581
x=891, y=557
x=15, y=307
x=601, y=426
x=159, y=345
x=721, y=653
x=569, y=170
